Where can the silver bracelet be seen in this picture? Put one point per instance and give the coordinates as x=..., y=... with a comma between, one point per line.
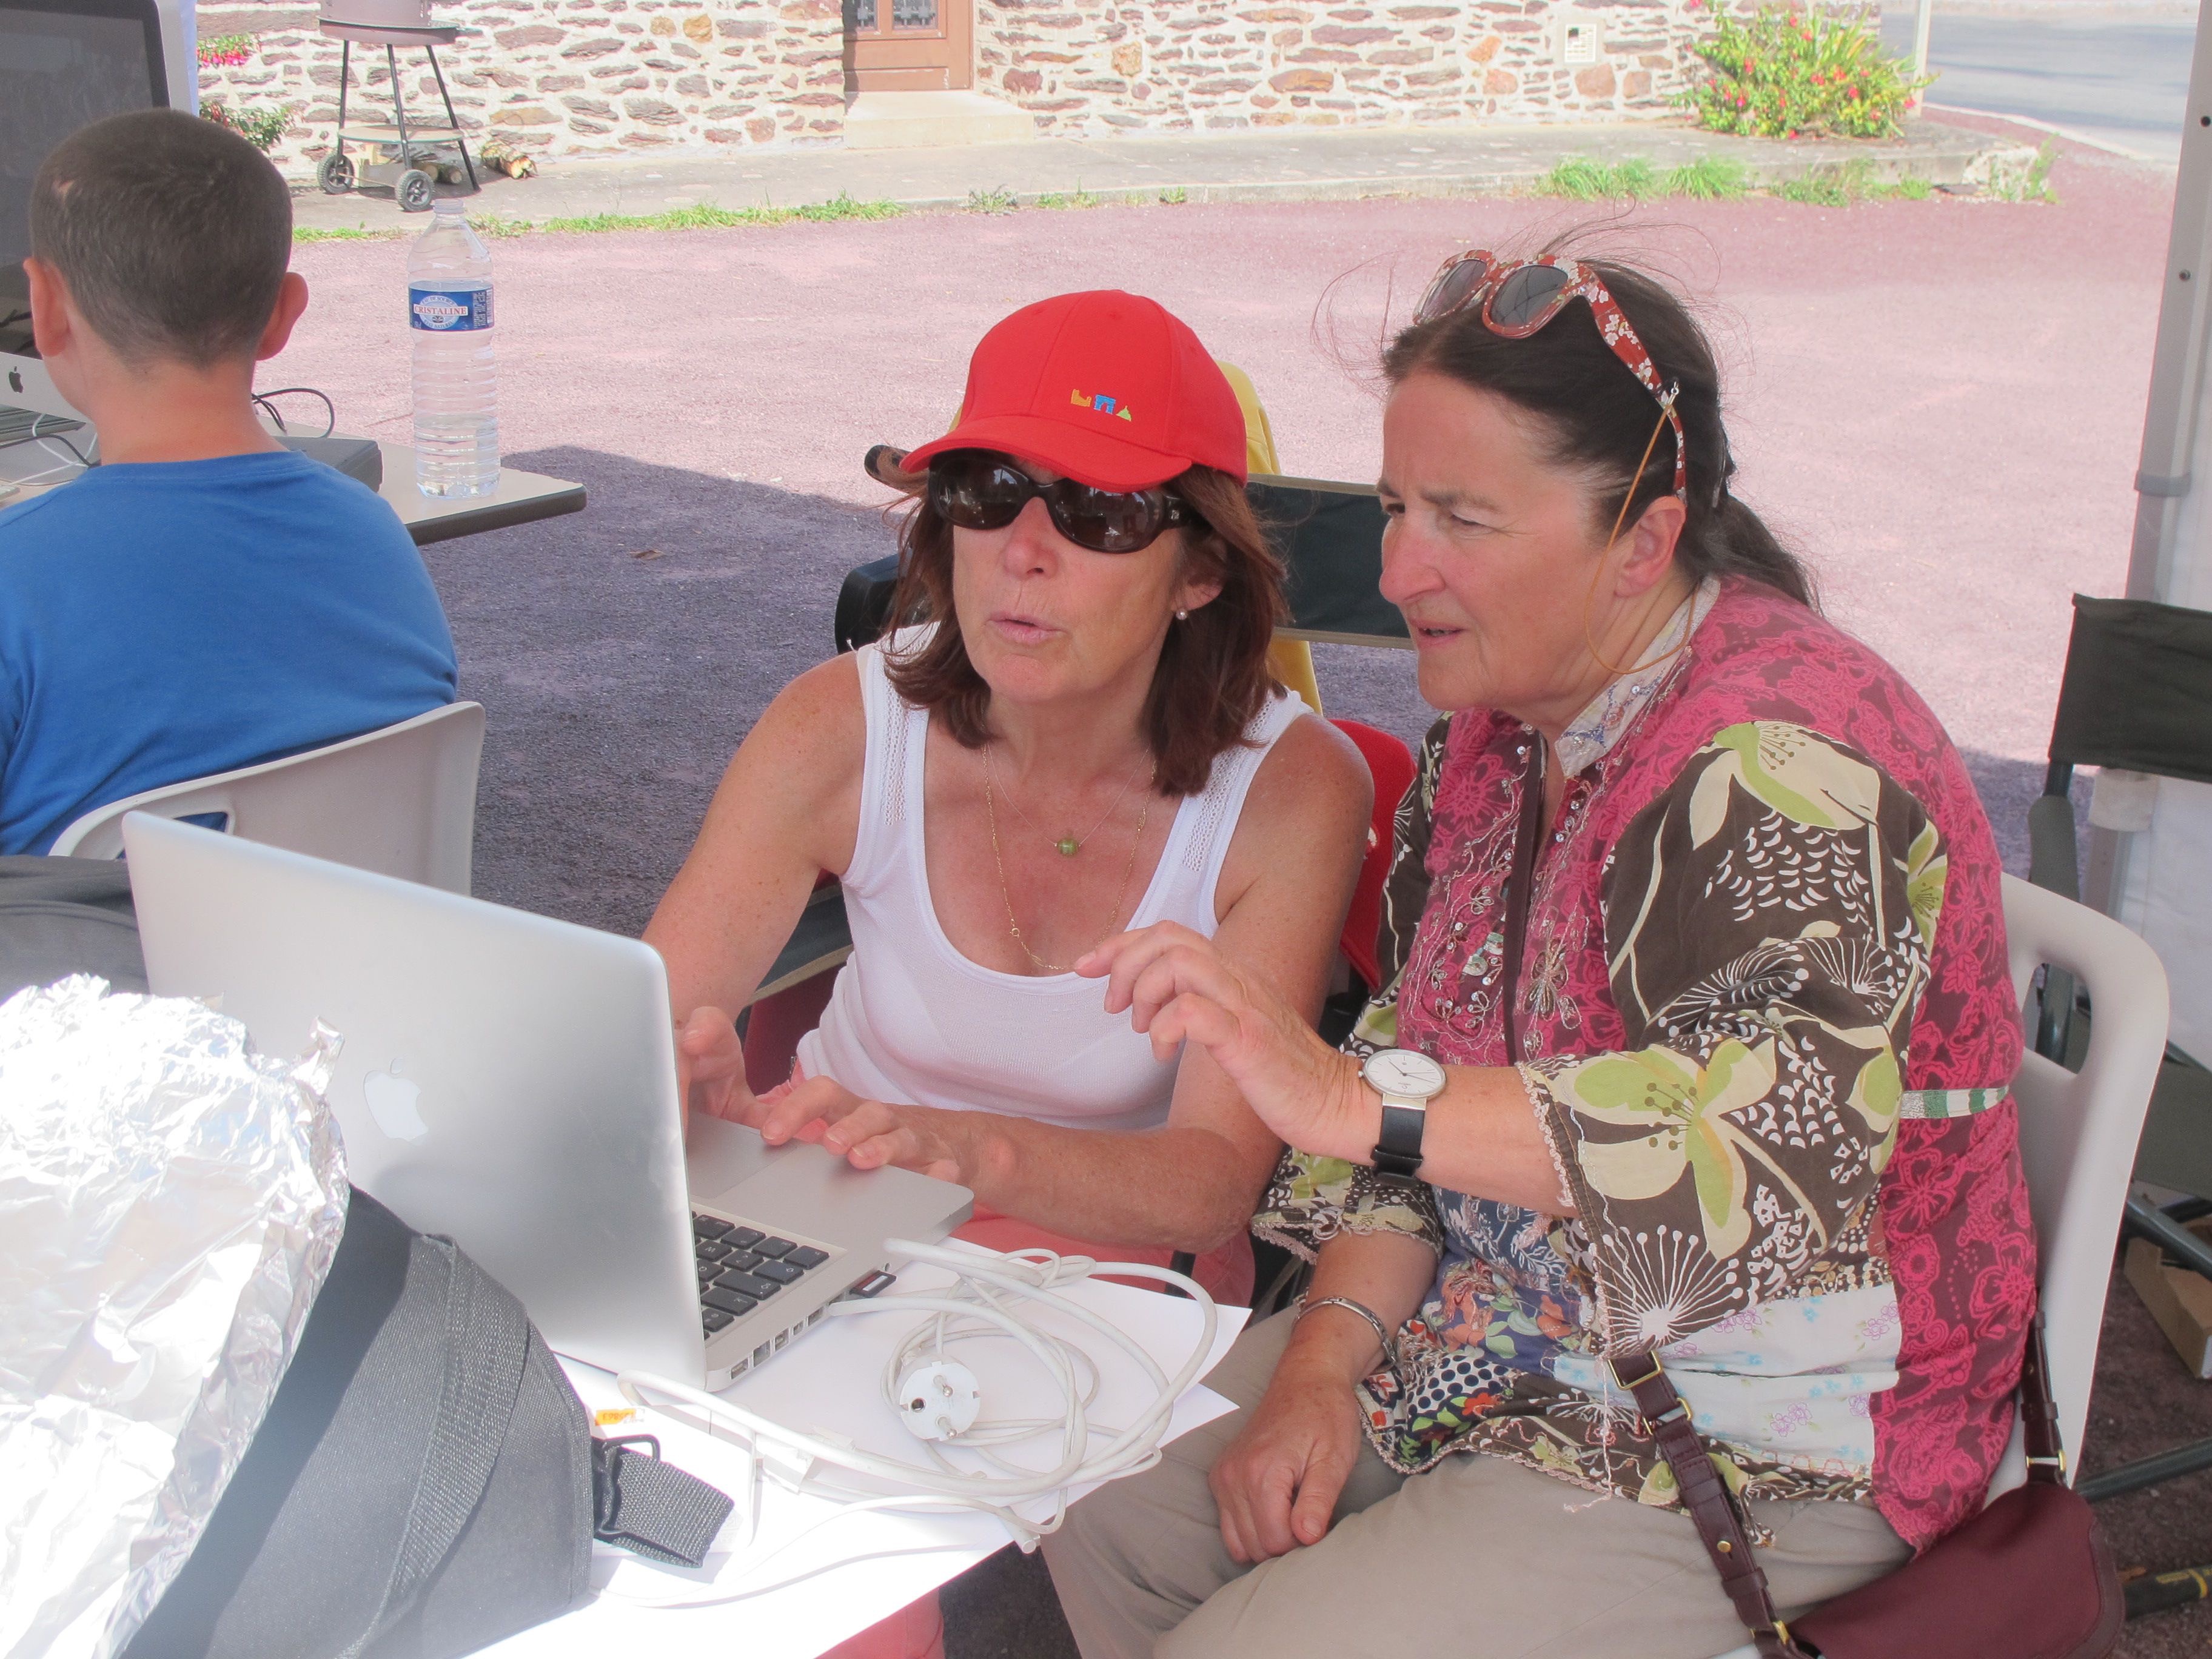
x=1390, y=1353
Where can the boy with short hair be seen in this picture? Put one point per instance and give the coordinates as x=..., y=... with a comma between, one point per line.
x=205, y=598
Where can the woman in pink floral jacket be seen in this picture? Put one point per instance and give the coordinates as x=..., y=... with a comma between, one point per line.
x=1696, y=1042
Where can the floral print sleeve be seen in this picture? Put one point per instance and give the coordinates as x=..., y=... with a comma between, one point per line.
x=1769, y=921
x=1310, y=1199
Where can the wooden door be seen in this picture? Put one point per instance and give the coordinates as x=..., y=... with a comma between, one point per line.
x=909, y=46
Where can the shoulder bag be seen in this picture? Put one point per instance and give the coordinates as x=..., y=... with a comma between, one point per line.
x=2029, y=1578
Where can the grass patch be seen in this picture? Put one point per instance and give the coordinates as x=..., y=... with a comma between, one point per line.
x=706, y=217
x=1581, y=178
x=2034, y=185
x=1709, y=179
x=1723, y=179
x=699, y=217
x=1852, y=183
x=1823, y=187
x=1176, y=197
x=997, y=200
x=1078, y=198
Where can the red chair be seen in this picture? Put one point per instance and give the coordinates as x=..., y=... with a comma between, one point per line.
x=1391, y=763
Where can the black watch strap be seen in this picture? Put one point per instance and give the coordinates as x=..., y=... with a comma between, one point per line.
x=1398, y=1153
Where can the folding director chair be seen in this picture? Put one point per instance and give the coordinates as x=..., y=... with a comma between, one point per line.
x=2136, y=696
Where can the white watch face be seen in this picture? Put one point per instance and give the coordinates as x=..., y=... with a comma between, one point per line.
x=1402, y=1072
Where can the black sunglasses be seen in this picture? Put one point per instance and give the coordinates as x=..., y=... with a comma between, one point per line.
x=980, y=490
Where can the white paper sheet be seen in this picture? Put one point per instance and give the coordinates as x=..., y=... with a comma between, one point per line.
x=851, y=1571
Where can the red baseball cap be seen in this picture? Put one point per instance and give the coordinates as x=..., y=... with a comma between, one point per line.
x=1107, y=388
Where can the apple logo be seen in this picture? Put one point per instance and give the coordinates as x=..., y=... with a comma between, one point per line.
x=392, y=1101
x=15, y=379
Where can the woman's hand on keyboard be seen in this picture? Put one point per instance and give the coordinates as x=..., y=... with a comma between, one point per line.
x=868, y=1133
x=710, y=1066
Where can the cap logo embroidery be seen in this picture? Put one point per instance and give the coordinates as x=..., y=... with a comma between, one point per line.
x=1101, y=403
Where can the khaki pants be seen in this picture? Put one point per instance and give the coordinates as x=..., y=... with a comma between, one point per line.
x=1476, y=1558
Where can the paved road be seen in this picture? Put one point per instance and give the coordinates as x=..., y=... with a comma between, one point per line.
x=2117, y=77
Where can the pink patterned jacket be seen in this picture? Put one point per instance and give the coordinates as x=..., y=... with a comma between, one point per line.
x=1765, y=1021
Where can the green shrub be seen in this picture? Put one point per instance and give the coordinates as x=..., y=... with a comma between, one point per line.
x=1789, y=73
x=261, y=128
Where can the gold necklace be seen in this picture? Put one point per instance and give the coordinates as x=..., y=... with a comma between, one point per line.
x=1069, y=845
x=1006, y=893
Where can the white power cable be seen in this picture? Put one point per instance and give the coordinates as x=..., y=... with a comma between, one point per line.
x=985, y=1304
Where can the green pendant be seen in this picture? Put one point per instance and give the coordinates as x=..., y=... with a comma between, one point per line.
x=1068, y=845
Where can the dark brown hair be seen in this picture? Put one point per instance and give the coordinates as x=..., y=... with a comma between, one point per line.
x=172, y=233
x=1600, y=415
x=1213, y=675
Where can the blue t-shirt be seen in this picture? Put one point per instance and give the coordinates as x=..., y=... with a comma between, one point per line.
x=166, y=620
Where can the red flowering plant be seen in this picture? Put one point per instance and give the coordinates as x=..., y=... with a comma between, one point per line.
x=1789, y=73
x=225, y=50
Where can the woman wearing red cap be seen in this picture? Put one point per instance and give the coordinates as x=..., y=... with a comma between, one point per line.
x=1085, y=739
x=1676, y=1156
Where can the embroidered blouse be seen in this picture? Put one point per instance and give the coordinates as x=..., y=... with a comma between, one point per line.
x=1764, y=1021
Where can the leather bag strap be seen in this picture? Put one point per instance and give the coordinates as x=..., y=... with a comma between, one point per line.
x=1705, y=1495
x=1706, y=1498
x=2038, y=1411
x=1519, y=885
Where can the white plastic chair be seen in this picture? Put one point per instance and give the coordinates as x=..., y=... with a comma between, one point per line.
x=401, y=801
x=2077, y=1136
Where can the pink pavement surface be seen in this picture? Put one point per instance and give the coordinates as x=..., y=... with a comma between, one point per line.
x=1940, y=403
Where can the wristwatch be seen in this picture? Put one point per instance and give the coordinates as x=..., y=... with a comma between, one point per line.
x=1407, y=1082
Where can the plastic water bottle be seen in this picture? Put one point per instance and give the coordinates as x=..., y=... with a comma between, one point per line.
x=456, y=392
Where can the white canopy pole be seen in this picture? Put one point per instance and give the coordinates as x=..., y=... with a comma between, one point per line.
x=2158, y=880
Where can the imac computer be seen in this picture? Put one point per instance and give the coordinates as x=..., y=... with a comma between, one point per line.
x=63, y=64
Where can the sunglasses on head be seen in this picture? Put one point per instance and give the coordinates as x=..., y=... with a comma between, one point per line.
x=982, y=489
x=1518, y=297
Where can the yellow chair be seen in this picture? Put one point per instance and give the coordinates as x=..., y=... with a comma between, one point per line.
x=1292, y=660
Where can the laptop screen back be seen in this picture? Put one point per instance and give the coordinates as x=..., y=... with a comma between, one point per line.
x=63, y=64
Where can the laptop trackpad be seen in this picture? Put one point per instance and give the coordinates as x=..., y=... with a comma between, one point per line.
x=719, y=1156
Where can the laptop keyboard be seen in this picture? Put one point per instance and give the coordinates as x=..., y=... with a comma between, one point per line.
x=740, y=1267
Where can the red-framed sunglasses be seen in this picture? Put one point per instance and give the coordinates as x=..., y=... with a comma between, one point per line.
x=1519, y=296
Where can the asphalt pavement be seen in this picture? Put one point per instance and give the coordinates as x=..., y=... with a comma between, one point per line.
x=2115, y=76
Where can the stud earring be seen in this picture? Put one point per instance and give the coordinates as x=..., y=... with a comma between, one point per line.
x=1183, y=616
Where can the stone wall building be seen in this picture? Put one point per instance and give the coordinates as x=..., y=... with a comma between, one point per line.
x=577, y=77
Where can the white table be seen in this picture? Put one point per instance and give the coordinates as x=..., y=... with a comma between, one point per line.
x=520, y=498
x=858, y=1569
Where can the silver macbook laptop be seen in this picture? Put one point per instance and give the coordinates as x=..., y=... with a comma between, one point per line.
x=510, y=1081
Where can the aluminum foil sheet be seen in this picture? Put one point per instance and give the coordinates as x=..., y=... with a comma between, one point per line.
x=170, y=1202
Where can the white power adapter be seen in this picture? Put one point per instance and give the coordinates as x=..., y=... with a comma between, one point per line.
x=938, y=1401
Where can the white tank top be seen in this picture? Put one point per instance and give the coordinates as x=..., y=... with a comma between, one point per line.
x=912, y=1021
